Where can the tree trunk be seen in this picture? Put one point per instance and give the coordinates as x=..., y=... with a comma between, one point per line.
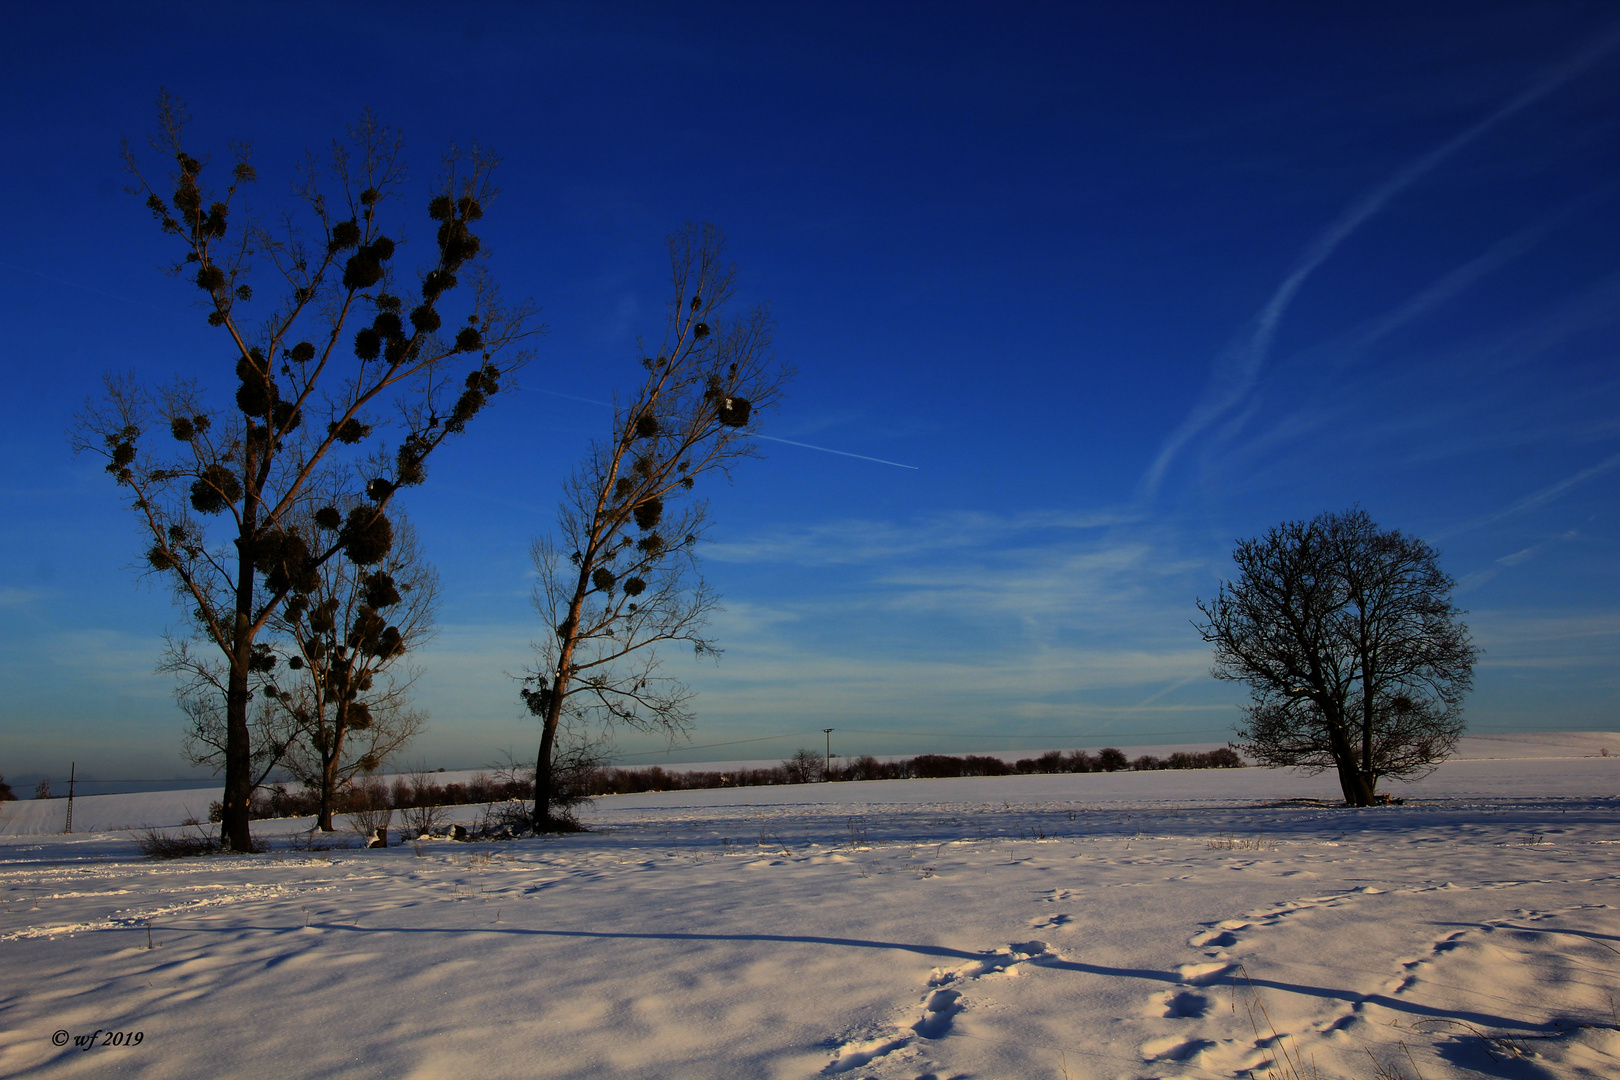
x=1357, y=792
x=1368, y=778
x=323, y=818
x=1351, y=783
x=329, y=780
x=234, y=832
x=542, y=772
x=1345, y=753
x=544, y=782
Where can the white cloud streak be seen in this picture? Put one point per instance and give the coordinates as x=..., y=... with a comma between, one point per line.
x=1540, y=498
x=1238, y=370
x=1518, y=640
x=1470, y=582
x=857, y=541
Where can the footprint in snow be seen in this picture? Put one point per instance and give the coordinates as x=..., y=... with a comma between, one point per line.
x=941, y=1004
x=1413, y=967
x=1190, y=1002
x=1185, y=1005
x=1174, y=1048
x=938, y=1011
x=854, y=1055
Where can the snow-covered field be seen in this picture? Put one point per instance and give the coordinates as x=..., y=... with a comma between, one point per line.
x=1097, y=925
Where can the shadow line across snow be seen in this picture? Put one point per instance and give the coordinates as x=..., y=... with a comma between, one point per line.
x=1394, y=1004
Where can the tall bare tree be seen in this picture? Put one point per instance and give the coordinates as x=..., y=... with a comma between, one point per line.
x=1355, y=656
x=620, y=575
x=337, y=363
x=347, y=696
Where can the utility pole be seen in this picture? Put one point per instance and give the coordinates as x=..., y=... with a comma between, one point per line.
x=73, y=768
x=826, y=774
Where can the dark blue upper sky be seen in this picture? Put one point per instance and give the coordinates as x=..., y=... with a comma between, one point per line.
x=1124, y=282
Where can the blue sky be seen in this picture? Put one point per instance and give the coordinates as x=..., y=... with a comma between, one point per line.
x=1124, y=283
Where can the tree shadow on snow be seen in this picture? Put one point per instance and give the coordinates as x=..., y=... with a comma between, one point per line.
x=1411, y=1008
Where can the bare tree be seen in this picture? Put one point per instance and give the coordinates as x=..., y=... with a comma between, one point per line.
x=1355, y=656
x=805, y=767
x=335, y=352
x=349, y=637
x=620, y=575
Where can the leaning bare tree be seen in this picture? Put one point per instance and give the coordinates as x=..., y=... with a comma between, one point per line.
x=338, y=362
x=347, y=698
x=620, y=576
x=1355, y=657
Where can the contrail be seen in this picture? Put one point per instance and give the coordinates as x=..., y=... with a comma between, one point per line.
x=1473, y=581
x=76, y=285
x=1461, y=278
x=1176, y=685
x=576, y=397
x=768, y=438
x=841, y=453
x=1246, y=360
x=1545, y=495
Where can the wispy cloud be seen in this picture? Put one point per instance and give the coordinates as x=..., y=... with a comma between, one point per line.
x=1484, y=394
x=1542, y=497
x=779, y=678
x=1237, y=370
x=64, y=668
x=1521, y=640
x=1470, y=582
x=865, y=541
x=961, y=621
x=1497, y=629
x=1335, y=356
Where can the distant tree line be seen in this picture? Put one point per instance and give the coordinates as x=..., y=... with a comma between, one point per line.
x=405, y=793
x=805, y=767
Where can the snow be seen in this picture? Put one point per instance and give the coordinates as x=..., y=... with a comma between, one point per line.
x=1167, y=924
x=160, y=809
